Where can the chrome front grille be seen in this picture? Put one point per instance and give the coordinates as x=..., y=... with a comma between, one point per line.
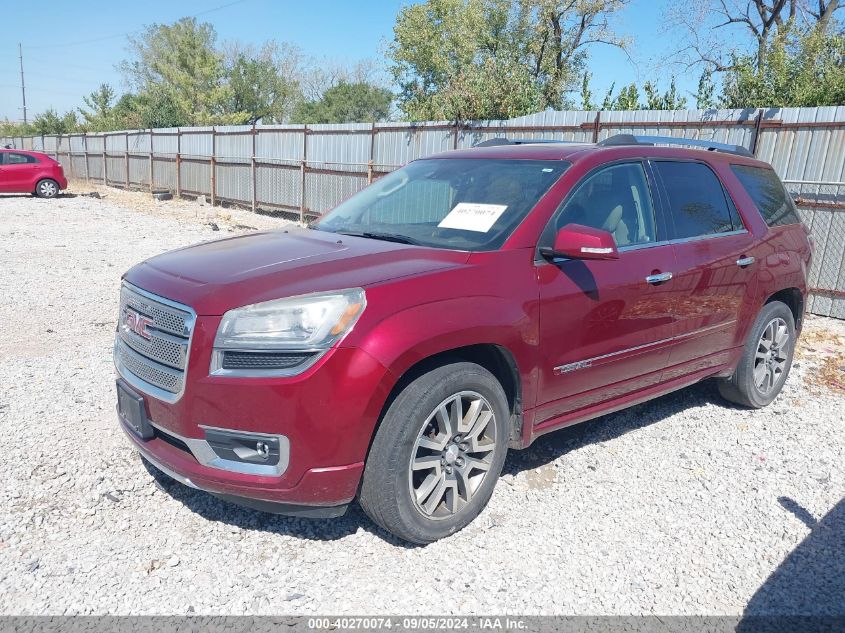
x=153, y=357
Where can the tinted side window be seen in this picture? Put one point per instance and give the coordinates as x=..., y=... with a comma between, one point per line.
x=18, y=159
x=697, y=201
x=616, y=199
x=768, y=193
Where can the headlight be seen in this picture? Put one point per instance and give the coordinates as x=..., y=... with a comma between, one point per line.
x=308, y=322
x=283, y=337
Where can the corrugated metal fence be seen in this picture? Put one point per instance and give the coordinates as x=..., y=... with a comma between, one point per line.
x=307, y=170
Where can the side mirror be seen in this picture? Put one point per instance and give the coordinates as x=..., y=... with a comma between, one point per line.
x=575, y=241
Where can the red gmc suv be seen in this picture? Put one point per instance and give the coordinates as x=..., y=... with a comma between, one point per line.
x=466, y=304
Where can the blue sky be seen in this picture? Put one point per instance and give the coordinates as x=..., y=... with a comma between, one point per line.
x=76, y=47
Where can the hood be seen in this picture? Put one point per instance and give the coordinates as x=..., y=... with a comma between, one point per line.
x=214, y=277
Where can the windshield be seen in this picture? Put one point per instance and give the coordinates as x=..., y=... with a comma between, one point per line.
x=457, y=203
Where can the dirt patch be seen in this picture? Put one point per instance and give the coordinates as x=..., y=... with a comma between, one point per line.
x=229, y=219
x=822, y=343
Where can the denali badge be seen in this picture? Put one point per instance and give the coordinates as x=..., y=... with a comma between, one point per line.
x=137, y=323
x=565, y=369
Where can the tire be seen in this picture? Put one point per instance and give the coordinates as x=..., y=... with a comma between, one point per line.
x=47, y=188
x=745, y=387
x=416, y=432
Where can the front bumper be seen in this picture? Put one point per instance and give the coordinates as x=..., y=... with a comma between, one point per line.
x=247, y=500
x=326, y=415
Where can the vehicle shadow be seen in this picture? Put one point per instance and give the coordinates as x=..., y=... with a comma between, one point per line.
x=807, y=590
x=213, y=509
x=552, y=446
x=544, y=450
x=29, y=195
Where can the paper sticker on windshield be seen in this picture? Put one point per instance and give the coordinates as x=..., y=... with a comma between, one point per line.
x=473, y=216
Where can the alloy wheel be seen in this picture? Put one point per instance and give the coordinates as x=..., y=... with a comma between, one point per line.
x=452, y=455
x=47, y=189
x=772, y=352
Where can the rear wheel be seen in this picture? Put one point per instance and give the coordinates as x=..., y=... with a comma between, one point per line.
x=766, y=359
x=47, y=188
x=437, y=454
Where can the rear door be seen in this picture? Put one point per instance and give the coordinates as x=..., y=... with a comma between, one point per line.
x=605, y=329
x=18, y=172
x=715, y=280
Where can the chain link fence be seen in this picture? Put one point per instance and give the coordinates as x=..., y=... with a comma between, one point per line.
x=307, y=170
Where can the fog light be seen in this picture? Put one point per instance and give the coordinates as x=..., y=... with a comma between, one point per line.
x=248, y=448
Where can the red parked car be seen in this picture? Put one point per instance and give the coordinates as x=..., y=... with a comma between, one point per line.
x=461, y=306
x=30, y=172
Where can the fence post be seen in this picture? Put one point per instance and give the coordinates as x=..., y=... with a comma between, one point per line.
x=213, y=163
x=597, y=127
x=87, y=168
x=302, y=173
x=152, y=133
x=372, y=153
x=178, y=162
x=126, y=159
x=758, y=122
x=455, y=136
x=252, y=169
x=105, y=162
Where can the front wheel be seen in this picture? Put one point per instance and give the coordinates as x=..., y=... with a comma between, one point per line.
x=766, y=359
x=47, y=188
x=438, y=453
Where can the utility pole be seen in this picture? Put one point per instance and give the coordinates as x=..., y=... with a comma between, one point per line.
x=23, y=85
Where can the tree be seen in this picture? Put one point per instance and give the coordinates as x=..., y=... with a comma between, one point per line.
x=346, y=103
x=262, y=83
x=180, y=64
x=799, y=69
x=669, y=100
x=448, y=55
x=49, y=122
x=705, y=95
x=586, y=93
x=100, y=115
x=720, y=33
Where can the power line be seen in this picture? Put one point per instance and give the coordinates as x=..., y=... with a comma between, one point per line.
x=112, y=37
x=23, y=85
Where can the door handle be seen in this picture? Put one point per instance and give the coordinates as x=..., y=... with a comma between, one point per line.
x=658, y=278
x=744, y=261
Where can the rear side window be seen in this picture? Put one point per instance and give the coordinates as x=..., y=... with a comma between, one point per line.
x=697, y=201
x=768, y=193
x=18, y=159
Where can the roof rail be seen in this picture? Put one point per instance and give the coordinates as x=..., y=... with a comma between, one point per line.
x=516, y=141
x=631, y=139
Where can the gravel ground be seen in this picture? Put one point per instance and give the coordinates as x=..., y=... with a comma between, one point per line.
x=680, y=506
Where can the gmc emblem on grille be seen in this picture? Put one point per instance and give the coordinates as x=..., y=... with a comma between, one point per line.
x=137, y=323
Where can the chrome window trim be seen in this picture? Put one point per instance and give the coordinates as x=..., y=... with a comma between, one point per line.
x=205, y=455
x=681, y=240
x=136, y=381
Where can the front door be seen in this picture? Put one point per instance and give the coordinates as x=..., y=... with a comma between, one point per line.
x=605, y=326
x=17, y=172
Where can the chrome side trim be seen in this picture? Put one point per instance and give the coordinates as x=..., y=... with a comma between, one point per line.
x=587, y=362
x=205, y=455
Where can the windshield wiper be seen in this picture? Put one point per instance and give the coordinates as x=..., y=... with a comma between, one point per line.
x=387, y=237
